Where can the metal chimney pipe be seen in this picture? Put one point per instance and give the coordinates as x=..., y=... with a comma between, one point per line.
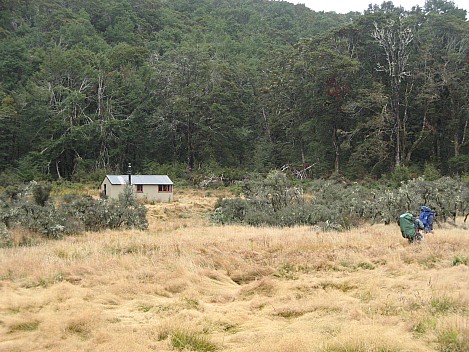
x=129, y=172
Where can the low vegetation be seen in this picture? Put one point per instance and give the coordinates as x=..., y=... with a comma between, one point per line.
x=190, y=285
x=32, y=209
x=338, y=205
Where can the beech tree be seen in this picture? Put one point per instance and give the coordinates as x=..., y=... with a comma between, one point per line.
x=394, y=37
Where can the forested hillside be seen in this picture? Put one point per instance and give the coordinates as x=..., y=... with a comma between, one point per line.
x=88, y=86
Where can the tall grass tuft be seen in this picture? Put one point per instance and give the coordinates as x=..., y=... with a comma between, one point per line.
x=24, y=326
x=188, y=340
x=454, y=338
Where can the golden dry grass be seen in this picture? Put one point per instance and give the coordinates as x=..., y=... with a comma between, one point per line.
x=239, y=288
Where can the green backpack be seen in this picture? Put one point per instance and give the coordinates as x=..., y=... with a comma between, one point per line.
x=407, y=225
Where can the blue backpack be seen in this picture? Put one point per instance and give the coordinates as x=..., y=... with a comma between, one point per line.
x=426, y=217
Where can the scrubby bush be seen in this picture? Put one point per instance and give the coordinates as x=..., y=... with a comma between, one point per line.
x=41, y=193
x=336, y=204
x=98, y=214
x=277, y=201
x=401, y=174
x=28, y=208
x=45, y=220
x=132, y=214
x=91, y=214
x=230, y=210
x=86, y=172
x=431, y=172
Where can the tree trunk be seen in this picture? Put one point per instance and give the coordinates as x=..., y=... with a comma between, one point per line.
x=335, y=142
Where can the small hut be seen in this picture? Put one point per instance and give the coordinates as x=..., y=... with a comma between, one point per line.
x=148, y=187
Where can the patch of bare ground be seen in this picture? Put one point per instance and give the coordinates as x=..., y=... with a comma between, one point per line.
x=186, y=284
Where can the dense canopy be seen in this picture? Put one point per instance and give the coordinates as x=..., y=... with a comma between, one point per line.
x=89, y=86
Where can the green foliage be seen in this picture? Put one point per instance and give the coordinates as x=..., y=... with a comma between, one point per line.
x=337, y=205
x=423, y=325
x=276, y=201
x=98, y=214
x=72, y=215
x=459, y=164
x=41, y=193
x=191, y=88
x=287, y=271
x=401, y=174
x=9, y=178
x=85, y=171
x=132, y=214
x=431, y=173
x=175, y=170
x=30, y=167
x=460, y=260
x=230, y=210
x=366, y=265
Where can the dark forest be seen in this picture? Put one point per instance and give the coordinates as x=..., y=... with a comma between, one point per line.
x=178, y=86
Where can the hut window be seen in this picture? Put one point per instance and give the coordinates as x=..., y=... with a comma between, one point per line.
x=139, y=188
x=164, y=188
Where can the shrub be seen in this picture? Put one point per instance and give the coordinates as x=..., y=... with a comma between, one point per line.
x=98, y=214
x=73, y=215
x=32, y=166
x=338, y=205
x=92, y=215
x=230, y=210
x=401, y=174
x=132, y=213
x=9, y=178
x=86, y=171
x=431, y=173
x=460, y=260
x=444, y=304
x=41, y=193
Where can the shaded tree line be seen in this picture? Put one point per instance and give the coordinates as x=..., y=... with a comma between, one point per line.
x=87, y=87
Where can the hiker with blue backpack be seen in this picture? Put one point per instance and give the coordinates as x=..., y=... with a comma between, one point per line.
x=410, y=227
x=426, y=217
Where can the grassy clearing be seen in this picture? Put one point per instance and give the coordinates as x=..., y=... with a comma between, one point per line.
x=188, y=285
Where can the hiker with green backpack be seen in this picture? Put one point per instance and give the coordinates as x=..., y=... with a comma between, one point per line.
x=410, y=227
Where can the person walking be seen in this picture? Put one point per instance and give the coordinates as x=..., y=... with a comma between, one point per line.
x=426, y=217
x=410, y=226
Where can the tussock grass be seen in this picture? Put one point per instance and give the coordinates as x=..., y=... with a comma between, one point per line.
x=185, y=284
x=27, y=325
x=187, y=340
x=82, y=325
x=181, y=337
